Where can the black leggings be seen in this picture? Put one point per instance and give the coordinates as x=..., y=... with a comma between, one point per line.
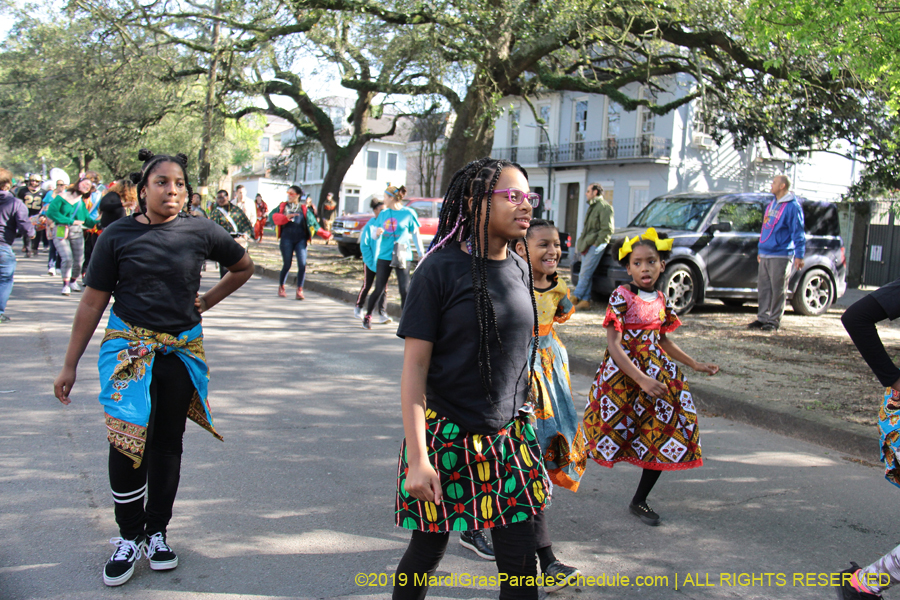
x=364, y=290
x=171, y=391
x=382, y=273
x=513, y=548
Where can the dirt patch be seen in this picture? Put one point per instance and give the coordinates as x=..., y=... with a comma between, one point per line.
x=809, y=364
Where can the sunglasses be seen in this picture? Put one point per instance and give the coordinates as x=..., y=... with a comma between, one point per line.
x=516, y=197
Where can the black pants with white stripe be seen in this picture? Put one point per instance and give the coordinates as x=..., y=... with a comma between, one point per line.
x=157, y=478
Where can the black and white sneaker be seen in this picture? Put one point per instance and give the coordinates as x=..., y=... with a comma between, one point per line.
x=477, y=542
x=367, y=322
x=162, y=558
x=558, y=575
x=120, y=567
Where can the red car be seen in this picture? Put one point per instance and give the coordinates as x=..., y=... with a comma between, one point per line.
x=346, y=229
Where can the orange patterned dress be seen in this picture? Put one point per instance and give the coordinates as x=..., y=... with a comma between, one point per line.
x=621, y=421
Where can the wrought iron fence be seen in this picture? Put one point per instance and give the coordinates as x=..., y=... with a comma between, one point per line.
x=647, y=146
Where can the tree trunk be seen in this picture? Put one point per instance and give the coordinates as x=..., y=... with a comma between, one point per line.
x=473, y=132
x=338, y=164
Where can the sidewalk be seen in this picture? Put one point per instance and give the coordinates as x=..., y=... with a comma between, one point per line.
x=812, y=426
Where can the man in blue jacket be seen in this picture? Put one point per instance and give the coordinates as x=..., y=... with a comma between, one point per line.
x=782, y=246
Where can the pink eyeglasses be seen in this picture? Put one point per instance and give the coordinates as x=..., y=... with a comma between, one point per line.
x=518, y=196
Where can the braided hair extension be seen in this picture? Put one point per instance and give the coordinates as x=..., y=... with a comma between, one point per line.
x=476, y=181
x=151, y=161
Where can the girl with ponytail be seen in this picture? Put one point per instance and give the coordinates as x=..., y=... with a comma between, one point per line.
x=153, y=371
x=470, y=460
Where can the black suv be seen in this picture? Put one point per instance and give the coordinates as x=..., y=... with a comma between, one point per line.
x=714, y=252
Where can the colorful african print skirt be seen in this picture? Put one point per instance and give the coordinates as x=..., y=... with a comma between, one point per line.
x=623, y=423
x=126, y=371
x=487, y=480
x=889, y=424
x=559, y=427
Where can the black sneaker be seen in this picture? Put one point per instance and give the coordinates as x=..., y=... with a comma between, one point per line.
x=120, y=566
x=848, y=592
x=477, y=542
x=367, y=322
x=769, y=328
x=162, y=558
x=645, y=513
x=558, y=575
x=757, y=324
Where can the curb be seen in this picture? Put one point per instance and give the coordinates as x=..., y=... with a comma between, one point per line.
x=393, y=309
x=850, y=438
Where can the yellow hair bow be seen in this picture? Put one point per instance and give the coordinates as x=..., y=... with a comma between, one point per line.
x=650, y=234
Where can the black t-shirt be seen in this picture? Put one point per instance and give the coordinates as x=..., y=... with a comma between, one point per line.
x=111, y=209
x=440, y=308
x=33, y=200
x=153, y=271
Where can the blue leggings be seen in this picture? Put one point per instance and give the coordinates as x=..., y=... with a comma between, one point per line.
x=288, y=249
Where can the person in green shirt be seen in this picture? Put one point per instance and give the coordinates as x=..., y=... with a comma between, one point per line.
x=69, y=215
x=598, y=228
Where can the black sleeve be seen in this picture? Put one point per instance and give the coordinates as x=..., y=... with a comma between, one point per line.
x=859, y=320
x=222, y=247
x=103, y=270
x=422, y=310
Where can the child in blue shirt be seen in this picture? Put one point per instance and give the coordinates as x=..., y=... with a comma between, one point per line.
x=367, y=243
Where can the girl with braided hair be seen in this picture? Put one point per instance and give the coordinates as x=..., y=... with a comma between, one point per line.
x=470, y=459
x=153, y=371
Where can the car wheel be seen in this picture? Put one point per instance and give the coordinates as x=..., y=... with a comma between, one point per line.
x=681, y=285
x=733, y=302
x=815, y=293
x=346, y=250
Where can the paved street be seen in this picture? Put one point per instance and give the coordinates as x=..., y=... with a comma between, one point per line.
x=298, y=499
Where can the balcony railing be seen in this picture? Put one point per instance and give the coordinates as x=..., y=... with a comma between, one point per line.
x=648, y=147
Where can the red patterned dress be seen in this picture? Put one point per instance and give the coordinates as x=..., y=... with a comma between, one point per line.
x=621, y=421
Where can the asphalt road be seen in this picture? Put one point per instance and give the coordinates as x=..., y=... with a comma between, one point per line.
x=298, y=500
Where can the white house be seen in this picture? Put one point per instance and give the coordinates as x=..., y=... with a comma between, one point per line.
x=380, y=163
x=256, y=177
x=637, y=155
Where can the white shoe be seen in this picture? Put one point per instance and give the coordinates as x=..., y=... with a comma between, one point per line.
x=357, y=312
x=66, y=289
x=383, y=318
x=51, y=271
x=76, y=287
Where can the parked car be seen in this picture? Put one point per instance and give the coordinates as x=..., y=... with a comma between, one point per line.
x=346, y=229
x=714, y=255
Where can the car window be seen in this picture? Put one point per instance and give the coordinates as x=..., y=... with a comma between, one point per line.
x=745, y=217
x=821, y=219
x=674, y=213
x=423, y=209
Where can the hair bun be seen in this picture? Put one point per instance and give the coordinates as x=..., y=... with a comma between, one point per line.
x=144, y=154
x=182, y=158
x=135, y=178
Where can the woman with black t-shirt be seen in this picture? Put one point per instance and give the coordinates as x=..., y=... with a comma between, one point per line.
x=153, y=371
x=470, y=459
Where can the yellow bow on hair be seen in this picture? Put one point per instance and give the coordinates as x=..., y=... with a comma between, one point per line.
x=650, y=234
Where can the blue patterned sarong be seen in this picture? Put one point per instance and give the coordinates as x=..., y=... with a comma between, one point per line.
x=126, y=370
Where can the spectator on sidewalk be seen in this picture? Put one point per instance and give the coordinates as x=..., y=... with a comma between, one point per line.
x=262, y=215
x=329, y=208
x=13, y=219
x=782, y=245
x=860, y=322
x=598, y=228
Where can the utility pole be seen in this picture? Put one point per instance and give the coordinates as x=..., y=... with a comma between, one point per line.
x=206, y=141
